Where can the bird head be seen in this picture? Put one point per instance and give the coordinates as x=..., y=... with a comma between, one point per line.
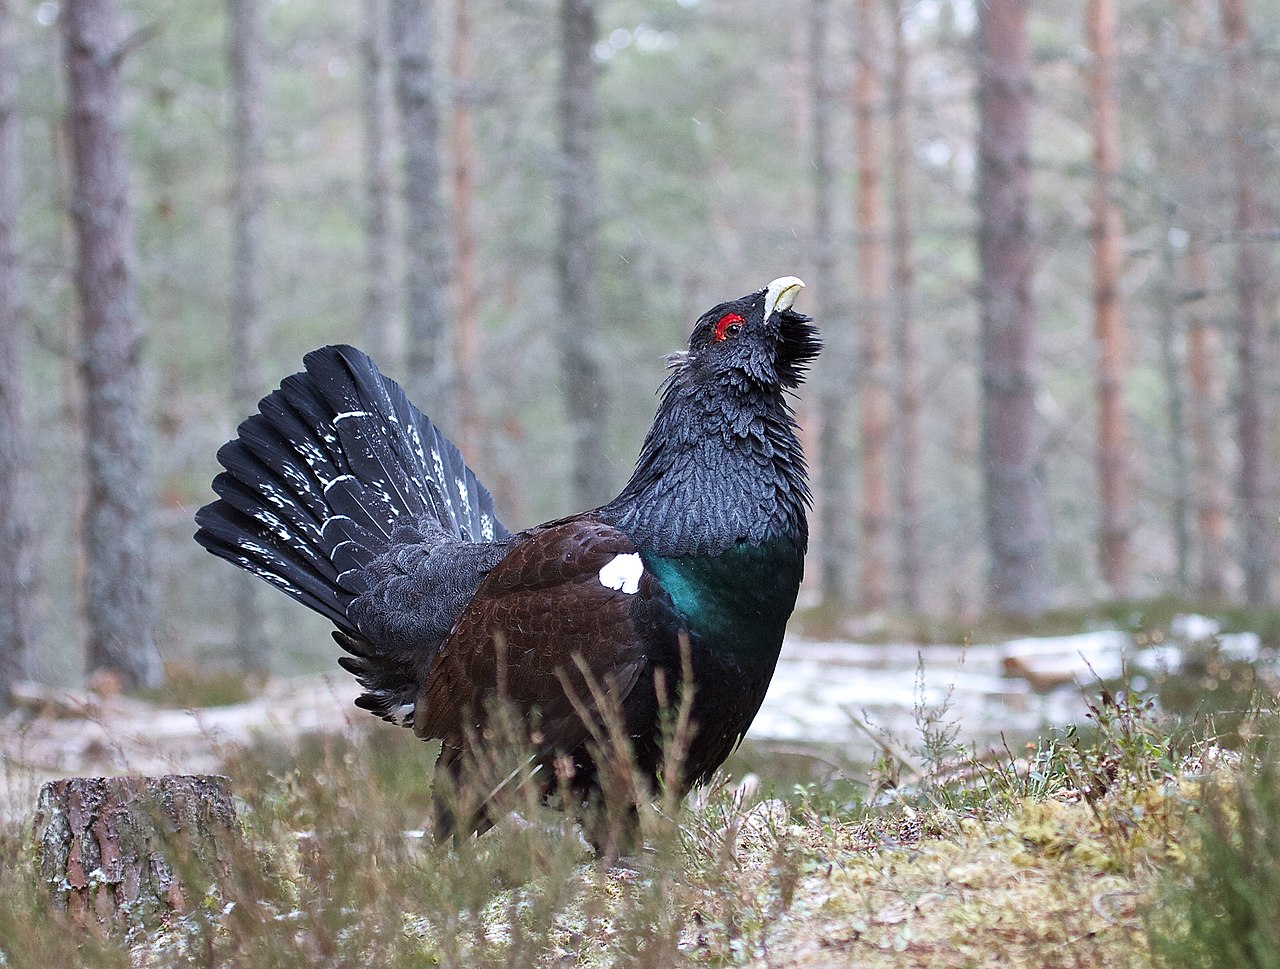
x=758, y=337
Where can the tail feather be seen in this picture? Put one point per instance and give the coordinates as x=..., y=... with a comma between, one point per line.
x=317, y=482
x=232, y=535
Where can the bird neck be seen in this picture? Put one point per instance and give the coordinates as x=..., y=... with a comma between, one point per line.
x=720, y=468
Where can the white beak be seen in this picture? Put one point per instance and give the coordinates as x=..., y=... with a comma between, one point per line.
x=780, y=294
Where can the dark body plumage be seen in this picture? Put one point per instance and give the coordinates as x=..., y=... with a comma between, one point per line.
x=340, y=493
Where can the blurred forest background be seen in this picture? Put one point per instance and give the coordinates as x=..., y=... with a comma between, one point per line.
x=1040, y=242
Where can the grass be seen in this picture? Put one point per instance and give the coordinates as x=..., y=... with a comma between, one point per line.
x=1057, y=854
x=1139, y=840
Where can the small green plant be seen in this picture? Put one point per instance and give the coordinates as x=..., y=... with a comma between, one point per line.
x=1221, y=907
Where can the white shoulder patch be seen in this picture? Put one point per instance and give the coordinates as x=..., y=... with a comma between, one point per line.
x=623, y=573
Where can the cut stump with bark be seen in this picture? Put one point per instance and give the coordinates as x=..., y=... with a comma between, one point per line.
x=115, y=848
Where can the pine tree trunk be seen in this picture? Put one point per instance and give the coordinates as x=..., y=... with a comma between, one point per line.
x=906, y=349
x=113, y=849
x=1208, y=395
x=1188, y=92
x=428, y=358
x=117, y=528
x=831, y=482
x=382, y=317
x=1251, y=346
x=577, y=255
x=874, y=391
x=467, y=296
x=1115, y=486
x=15, y=535
x=248, y=138
x=1016, y=509
x=1174, y=366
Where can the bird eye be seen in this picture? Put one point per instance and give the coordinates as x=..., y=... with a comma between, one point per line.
x=729, y=325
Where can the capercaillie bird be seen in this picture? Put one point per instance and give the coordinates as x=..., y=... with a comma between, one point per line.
x=341, y=494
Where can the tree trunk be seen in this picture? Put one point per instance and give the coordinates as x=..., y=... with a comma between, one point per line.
x=248, y=139
x=117, y=530
x=383, y=321
x=1251, y=346
x=831, y=483
x=577, y=256
x=1207, y=395
x=874, y=391
x=15, y=534
x=112, y=849
x=906, y=349
x=1173, y=365
x=466, y=289
x=1016, y=510
x=1190, y=149
x=1115, y=486
x=426, y=228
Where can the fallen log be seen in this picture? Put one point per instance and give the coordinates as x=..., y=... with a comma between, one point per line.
x=115, y=848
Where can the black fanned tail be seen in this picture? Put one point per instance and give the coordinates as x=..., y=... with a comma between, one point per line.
x=316, y=483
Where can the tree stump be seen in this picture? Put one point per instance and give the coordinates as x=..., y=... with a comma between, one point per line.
x=116, y=848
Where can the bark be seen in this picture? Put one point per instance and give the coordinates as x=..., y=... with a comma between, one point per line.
x=382, y=318
x=831, y=483
x=874, y=390
x=577, y=254
x=1174, y=365
x=1170, y=141
x=1016, y=511
x=1251, y=346
x=426, y=256
x=16, y=585
x=117, y=527
x=906, y=349
x=246, y=19
x=112, y=849
x=466, y=291
x=1114, y=484
x=1207, y=394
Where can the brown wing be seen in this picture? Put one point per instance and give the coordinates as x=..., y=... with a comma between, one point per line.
x=541, y=607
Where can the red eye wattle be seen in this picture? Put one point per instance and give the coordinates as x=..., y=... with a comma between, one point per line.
x=728, y=325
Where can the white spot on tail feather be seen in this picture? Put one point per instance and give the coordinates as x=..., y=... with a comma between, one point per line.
x=350, y=413
x=623, y=573
x=440, y=480
x=333, y=481
x=465, y=496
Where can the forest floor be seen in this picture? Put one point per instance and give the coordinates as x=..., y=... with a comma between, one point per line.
x=897, y=810
x=841, y=703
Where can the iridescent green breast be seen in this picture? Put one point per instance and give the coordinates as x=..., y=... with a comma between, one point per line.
x=737, y=602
